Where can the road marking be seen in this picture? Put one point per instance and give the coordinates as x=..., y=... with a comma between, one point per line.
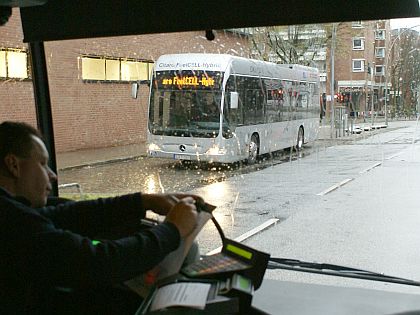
x=334, y=187
x=394, y=155
x=370, y=168
x=248, y=234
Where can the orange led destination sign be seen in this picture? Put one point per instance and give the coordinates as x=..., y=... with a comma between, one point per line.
x=189, y=81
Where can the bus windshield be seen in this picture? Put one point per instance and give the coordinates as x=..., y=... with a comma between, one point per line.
x=186, y=105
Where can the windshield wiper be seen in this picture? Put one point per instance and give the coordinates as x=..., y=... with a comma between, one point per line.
x=335, y=270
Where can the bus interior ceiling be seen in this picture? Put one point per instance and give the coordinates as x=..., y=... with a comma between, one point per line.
x=57, y=20
x=47, y=20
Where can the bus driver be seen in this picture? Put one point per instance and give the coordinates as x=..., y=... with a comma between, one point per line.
x=44, y=248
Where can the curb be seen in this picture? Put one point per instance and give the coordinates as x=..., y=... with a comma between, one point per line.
x=98, y=163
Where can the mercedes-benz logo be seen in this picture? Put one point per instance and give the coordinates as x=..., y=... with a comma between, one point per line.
x=182, y=148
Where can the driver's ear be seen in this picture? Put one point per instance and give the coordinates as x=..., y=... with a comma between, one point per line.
x=11, y=161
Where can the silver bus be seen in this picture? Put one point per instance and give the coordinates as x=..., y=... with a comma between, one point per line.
x=222, y=108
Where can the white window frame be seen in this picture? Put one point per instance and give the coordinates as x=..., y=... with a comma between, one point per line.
x=382, y=32
x=362, y=66
x=362, y=43
x=377, y=50
x=357, y=24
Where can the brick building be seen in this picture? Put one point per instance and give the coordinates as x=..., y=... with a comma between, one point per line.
x=359, y=66
x=90, y=81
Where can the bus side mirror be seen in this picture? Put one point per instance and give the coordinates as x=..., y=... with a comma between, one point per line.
x=134, y=90
x=234, y=100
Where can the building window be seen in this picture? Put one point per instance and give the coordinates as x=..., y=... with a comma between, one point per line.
x=379, y=70
x=380, y=52
x=93, y=69
x=380, y=34
x=115, y=69
x=112, y=70
x=358, y=44
x=13, y=64
x=358, y=65
x=357, y=24
x=134, y=70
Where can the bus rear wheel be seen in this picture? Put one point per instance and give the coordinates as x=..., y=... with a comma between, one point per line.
x=300, y=139
x=253, y=150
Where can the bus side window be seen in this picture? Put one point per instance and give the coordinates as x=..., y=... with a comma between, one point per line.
x=273, y=105
x=285, y=105
x=253, y=101
x=249, y=107
x=259, y=108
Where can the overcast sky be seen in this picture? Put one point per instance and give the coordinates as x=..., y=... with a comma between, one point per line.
x=405, y=23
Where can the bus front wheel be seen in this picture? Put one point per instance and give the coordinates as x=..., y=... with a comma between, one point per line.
x=253, y=150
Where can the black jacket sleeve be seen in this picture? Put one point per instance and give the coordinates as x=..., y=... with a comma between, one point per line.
x=96, y=217
x=38, y=250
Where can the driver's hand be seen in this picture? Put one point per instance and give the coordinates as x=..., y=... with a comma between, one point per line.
x=184, y=216
x=163, y=203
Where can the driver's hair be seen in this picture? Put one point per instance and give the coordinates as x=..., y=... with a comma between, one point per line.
x=16, y=138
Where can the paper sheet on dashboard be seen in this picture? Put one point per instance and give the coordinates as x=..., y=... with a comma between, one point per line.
x=186, y=294
x=172, y=263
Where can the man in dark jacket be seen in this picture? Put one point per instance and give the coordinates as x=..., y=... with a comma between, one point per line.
x=45, y=248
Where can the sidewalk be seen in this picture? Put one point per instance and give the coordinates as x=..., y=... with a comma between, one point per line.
x=68, y=160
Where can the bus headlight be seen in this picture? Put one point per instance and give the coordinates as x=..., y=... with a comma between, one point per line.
x=215, y=150
x=154, y=147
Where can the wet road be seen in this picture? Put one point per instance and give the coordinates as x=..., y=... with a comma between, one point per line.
x=160, y=175
x=151, y=175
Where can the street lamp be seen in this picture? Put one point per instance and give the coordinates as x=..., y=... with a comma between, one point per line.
x=400, y=84
x=332, y=92
x=386, y=69
x=372, y=107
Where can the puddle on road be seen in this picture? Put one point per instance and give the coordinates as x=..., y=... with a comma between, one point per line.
x=157, y=175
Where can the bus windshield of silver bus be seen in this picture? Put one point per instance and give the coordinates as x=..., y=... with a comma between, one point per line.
x=186, y=103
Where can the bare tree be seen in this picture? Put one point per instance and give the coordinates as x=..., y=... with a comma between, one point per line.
x=405, y=73
x=290, y=44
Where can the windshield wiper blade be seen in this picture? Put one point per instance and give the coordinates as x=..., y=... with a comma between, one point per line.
x=335, y=270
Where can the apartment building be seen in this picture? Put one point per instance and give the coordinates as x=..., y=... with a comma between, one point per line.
x=359, y=67
x=91, y=81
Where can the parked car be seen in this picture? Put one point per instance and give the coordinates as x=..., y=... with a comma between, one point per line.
x=355, y=129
